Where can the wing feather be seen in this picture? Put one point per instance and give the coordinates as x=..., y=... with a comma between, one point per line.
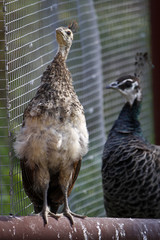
x=28, y=176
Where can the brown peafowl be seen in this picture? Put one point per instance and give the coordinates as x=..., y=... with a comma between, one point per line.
x=54, y=137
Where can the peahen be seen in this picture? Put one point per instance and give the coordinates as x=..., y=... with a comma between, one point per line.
x=130, y=164
x=54, y=137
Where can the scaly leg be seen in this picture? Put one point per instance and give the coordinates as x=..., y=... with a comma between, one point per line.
x=66, y=211
x=45, y=210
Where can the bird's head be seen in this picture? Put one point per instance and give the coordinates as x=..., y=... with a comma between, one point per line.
x=64, y=36
x=129, y=87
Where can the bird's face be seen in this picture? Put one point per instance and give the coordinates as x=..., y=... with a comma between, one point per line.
x=64, y=36
x=129, y=87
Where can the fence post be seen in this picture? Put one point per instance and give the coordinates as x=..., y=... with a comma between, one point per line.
x=155, y=49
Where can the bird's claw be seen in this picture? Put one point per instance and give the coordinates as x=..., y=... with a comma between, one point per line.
x=56, y=216
x=70, y=216
x=45, y=213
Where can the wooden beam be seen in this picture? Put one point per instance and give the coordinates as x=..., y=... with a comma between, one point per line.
x=32, y=227
x=155, y=49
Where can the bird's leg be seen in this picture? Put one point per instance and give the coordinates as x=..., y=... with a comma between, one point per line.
x=45, y=210
x=66, y=210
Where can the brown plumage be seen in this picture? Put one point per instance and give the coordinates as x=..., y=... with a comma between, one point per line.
x=54, y=137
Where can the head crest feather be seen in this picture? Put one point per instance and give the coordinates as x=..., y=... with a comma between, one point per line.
x=140, y=61
x=73, y=26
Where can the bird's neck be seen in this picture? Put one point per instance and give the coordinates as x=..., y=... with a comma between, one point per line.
x=58, y=67
x=127, y=121
x=63, y=50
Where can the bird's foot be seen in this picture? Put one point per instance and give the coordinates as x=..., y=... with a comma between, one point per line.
x=56, y=216
x=69, y=214
x=46, y=212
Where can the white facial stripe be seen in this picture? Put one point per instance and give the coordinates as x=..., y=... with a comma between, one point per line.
x=126, y=80
x=132, y=88
x=131, y=92
x=135, y=83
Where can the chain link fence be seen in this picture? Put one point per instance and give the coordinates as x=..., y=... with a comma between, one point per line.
x=110, y=33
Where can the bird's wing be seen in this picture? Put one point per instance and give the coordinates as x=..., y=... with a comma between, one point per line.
x=28, y=182
x=76, y=166
x=131, y=152
x=43, y=100
x=156, y=148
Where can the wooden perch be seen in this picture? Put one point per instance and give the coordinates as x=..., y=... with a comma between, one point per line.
x=32, y=227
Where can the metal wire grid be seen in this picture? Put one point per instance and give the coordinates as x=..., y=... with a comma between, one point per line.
x=30, y=43
x=87, y=196
x=4, y=143
x=30, y=40
x=124, y=30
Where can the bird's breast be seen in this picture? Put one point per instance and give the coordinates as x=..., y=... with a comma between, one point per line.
x=57, y=144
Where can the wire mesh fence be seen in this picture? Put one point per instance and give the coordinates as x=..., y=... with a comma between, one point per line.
x=110, y=33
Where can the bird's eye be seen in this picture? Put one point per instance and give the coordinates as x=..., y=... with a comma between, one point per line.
x=68, y=33
x=128, y=84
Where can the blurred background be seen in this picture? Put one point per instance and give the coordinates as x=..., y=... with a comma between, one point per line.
x=109, y=36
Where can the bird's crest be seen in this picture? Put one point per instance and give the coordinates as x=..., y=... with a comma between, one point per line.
x=140, y=60
x=73, y=26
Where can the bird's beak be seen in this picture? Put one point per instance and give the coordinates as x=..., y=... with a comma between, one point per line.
x=59, y=31
x=113, y=85
x=60, y=36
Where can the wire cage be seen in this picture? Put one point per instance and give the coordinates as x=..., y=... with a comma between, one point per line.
x=110, y=33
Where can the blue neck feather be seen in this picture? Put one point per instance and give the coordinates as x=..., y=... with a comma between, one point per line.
x=127, y=122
